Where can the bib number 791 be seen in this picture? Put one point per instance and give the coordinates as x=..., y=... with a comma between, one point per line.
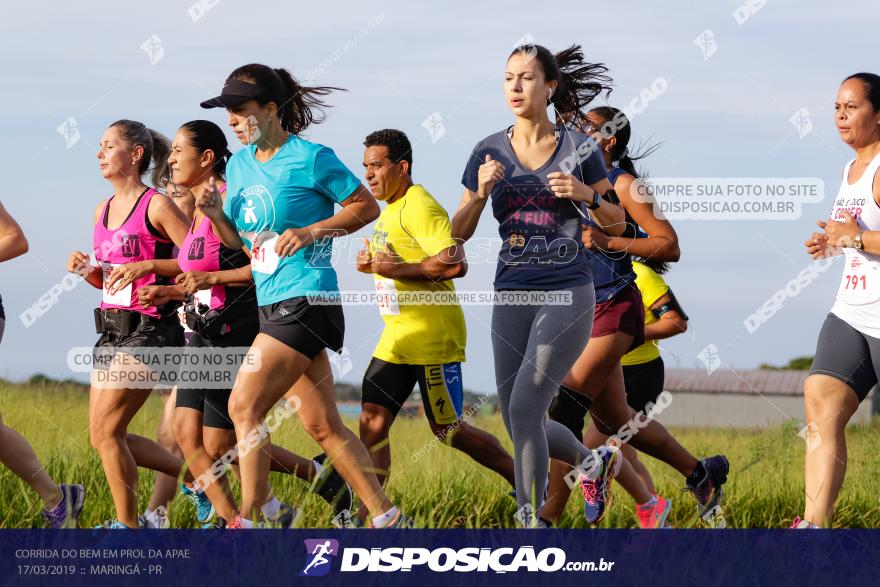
x=859, y=284
x=855, y=282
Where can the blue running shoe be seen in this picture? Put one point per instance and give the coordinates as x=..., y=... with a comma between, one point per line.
x=112, y=525
x=597, y=484
x=203, y=505
x=66, y=513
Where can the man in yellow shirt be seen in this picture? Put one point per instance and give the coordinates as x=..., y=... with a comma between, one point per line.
x=413, y=259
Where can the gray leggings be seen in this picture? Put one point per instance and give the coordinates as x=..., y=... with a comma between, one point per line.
x=534, y=348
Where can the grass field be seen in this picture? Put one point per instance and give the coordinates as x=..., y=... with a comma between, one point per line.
x=444, y=488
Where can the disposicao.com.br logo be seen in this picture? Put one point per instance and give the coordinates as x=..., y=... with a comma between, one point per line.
x=442, y=560
x=319, y=553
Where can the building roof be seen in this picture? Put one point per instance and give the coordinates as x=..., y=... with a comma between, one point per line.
x=736, y=381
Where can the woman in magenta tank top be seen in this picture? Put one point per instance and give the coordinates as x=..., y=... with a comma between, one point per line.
x=135, y=231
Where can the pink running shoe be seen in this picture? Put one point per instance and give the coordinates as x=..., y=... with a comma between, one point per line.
x=800, y=524
x=235, y=524
x=654, y=514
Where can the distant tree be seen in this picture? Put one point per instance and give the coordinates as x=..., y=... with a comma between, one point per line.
x=41, y=380
x=796, y=364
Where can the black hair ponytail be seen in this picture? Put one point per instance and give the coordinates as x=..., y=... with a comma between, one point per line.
x=578, y=82
x=621, y=156
x=299, y=106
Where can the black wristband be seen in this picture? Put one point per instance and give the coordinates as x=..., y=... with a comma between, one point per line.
x=611, y=196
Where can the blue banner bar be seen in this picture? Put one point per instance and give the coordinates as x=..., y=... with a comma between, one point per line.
x=398, y=557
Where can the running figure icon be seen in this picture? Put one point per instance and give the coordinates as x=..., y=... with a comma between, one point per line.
x=321, y=549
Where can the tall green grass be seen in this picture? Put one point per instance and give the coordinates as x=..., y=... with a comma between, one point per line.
x=445, y=488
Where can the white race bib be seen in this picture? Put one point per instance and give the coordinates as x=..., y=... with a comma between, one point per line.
x=264, y=259
x=203, y=296
x=122, y=297
x=181, y=313
x=386, y=294
x=861, y=281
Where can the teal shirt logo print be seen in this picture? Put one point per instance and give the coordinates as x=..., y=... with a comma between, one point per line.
x=253, y=210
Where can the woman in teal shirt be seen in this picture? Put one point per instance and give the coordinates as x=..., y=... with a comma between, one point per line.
x=281, y=193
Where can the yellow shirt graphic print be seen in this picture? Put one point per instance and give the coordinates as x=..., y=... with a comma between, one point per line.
x=417, y=227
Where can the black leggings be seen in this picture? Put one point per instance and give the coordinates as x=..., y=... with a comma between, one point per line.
x=214, y=403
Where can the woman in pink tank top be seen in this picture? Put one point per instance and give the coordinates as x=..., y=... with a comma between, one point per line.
x=846, y=365
x=135, y=231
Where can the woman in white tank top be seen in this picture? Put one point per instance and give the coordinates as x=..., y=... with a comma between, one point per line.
x=847, y=361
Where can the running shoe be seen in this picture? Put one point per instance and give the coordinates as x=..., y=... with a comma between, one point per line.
x=708, y=492
x=596, y=485
x=199, y=499
x=66, y=513
x=112, y=525
x=800, y=524
x=287, y=517
x=215, y=523
x=654, y=514
x=331, y=487
x=400, y=522
x=234, y=524
x=155, y=520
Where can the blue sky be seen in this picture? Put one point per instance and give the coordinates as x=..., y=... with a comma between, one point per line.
x=725, y=116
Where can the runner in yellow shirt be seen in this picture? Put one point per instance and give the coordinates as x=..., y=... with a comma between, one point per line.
x=414, y=258
x=643, y=370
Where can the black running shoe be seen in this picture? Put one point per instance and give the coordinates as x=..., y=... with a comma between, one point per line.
x=708, y=492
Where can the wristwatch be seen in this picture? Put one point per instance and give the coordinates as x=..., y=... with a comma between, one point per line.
x=857, y=242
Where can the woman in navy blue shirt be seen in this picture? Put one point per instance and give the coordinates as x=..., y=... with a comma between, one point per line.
x=544, y=180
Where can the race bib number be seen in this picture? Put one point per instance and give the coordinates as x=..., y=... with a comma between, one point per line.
x=264, y=259
x=122, y=297
x=386, y=294
x=203, y=296
x=861, y=281
x=181, y=314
